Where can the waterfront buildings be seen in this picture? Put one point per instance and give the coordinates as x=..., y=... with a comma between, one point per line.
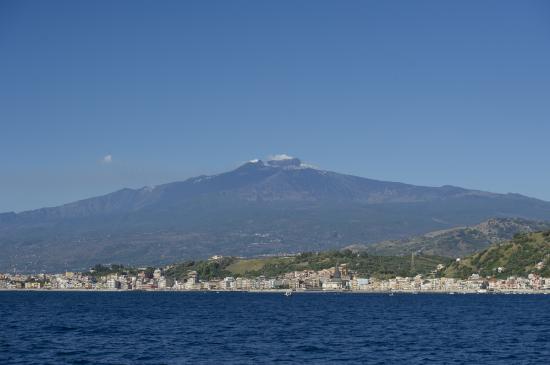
x=338, y=278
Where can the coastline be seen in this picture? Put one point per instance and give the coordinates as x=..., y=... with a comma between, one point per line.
x=282, y=291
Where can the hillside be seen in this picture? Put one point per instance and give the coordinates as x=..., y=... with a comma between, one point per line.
x=525, y=254
x=363, y=264
x=259, y=208
x=460, y=241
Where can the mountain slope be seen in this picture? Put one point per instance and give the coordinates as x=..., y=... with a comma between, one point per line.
x=460, y=241
x=525, y=254
x=259, y=208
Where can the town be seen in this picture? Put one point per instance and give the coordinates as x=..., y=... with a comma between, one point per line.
x=338, y=278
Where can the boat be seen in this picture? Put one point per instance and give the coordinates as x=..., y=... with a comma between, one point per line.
x=288, y=293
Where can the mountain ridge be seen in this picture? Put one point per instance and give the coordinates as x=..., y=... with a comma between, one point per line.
x=140, y=197
x=457, y=241
x=277, y=206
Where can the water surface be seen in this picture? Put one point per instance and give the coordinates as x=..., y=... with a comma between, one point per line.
x=251, y=328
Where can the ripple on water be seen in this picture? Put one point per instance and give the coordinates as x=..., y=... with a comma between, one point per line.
x=242, y=328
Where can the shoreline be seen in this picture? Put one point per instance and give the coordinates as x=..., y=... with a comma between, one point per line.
x=283, y=291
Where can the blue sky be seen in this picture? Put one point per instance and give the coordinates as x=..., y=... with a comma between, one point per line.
x=424, y=92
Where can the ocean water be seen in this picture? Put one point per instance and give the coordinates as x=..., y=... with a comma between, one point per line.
x=256, y=328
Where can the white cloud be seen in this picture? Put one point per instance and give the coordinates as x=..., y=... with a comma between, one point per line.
x=107, y=159
x=280, y=157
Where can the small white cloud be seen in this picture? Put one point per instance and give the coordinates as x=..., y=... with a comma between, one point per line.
x=280, y=157
x=107, y=159
x=308, y=166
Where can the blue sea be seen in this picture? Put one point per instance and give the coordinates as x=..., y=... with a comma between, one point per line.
x=259, y=328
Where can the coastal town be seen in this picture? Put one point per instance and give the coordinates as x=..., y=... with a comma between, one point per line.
x=338, y=278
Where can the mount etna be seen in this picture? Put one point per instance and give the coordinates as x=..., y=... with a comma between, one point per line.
x=260, y=208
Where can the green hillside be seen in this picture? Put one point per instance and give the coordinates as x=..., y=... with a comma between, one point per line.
x=526, y=253
x=362, y=263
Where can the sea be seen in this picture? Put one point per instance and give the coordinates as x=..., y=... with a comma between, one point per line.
x=263, y=328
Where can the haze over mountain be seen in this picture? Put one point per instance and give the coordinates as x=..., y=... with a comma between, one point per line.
x=262, y=207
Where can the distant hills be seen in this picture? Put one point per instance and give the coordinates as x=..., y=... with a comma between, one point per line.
x=525, y=254
x=261, y=207
x=459, y=241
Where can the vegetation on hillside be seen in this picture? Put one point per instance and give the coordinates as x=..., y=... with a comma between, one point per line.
x=103, y=270
x=205, y=269
x=526, y=253
x=362, y=263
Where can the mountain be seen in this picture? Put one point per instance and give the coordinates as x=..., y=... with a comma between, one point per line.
x=261, y=207
x=459, y=241
x=526, y=253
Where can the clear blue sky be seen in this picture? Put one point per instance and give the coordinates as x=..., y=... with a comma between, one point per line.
x=424, y=92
